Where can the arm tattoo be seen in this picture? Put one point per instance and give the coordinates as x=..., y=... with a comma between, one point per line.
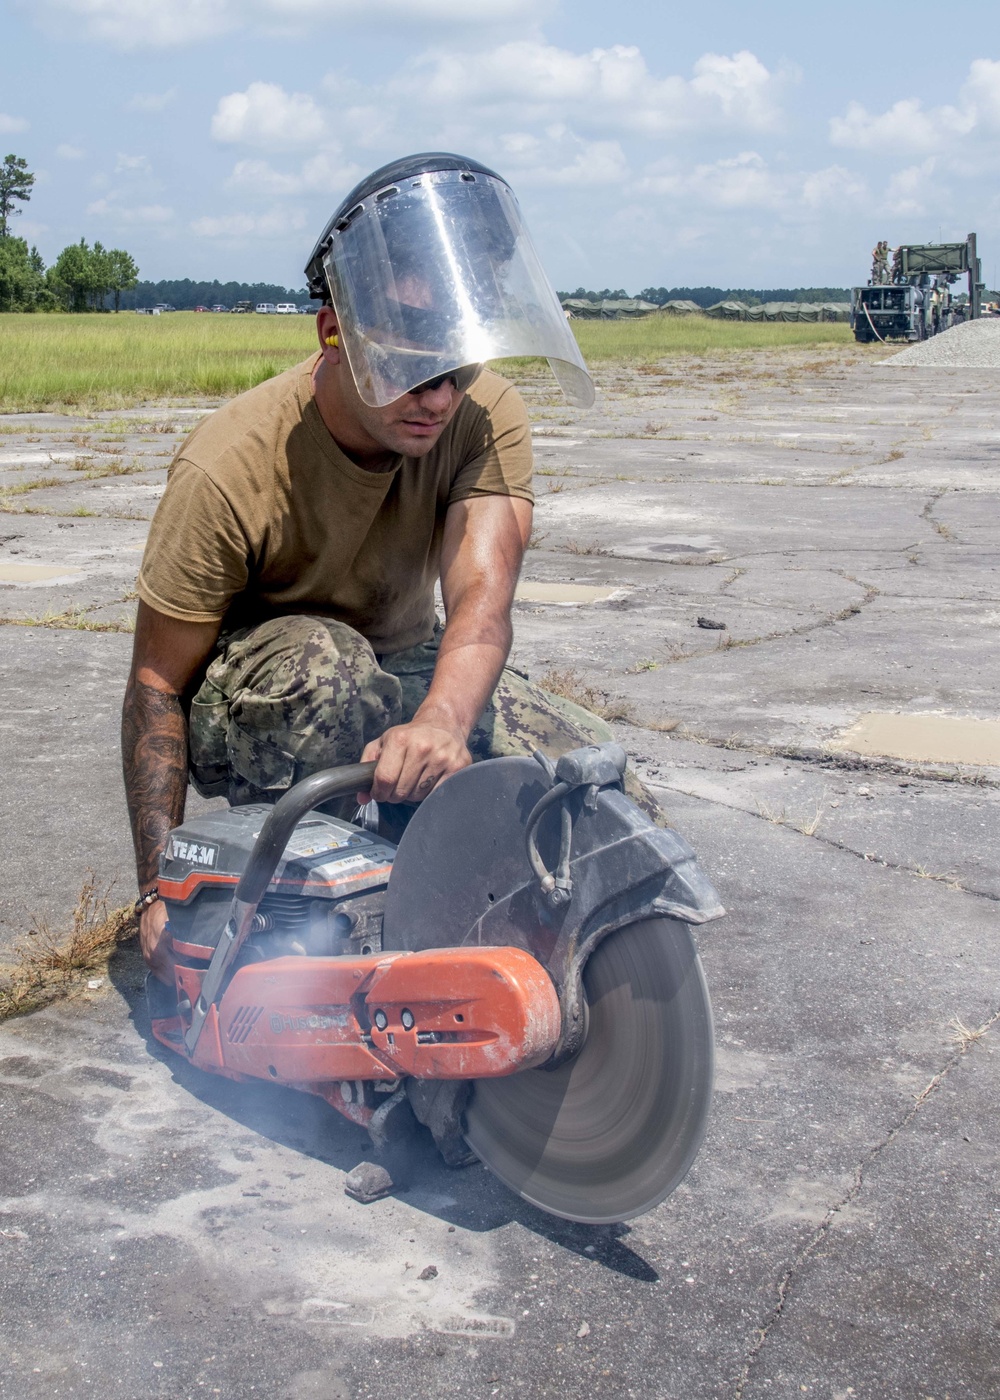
x=154, y=759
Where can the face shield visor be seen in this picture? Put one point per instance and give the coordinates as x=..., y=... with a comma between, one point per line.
x=437, y=273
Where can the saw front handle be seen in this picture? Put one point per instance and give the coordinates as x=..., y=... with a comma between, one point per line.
x=268, y=849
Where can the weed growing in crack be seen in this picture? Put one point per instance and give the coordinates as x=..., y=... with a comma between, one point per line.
x=948, y=879
x=574, y=547
x=48, y=965
x=572, y=686
x=72, y=621
x=963, y=1036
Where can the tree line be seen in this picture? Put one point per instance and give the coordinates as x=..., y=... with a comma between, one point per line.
x=708, y=296
x=183, y=294
x=82, y=278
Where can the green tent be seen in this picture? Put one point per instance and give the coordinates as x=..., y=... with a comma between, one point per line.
x=781, y=311
x=681, y=308
x=627, y=309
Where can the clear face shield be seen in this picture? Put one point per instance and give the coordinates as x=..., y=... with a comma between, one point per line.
x=437, y=274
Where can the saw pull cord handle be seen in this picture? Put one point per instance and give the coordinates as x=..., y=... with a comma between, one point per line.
x=267, y=851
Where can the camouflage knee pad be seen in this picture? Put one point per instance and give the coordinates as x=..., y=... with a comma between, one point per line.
x=298, y=694
x=521, y=717
x=286, y=699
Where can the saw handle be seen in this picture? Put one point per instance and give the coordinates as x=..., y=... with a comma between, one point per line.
x=267, y=851
x=285, y=816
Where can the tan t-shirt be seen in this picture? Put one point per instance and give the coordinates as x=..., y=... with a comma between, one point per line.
x=264, y=515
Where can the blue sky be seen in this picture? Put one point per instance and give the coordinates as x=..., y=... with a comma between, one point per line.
x=733, y=145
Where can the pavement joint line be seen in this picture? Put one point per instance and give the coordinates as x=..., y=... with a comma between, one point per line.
x=966, y=1039
x=867, y=856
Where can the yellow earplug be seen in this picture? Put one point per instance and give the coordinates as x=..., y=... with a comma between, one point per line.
x=333, y=340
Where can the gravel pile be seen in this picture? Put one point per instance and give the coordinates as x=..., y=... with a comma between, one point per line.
x=972, y=345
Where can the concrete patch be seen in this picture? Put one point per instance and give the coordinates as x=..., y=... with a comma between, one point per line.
x=35, y=573
x=564, y=594
x=924, y=738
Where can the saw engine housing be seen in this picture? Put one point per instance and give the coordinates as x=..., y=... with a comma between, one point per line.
x=314, y=953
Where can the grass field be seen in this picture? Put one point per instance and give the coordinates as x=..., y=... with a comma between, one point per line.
x=102, y=362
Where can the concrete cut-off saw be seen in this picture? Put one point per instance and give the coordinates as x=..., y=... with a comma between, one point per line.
x=518, y=972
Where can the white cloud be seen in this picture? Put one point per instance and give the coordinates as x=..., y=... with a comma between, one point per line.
x=133, y=24
x=904, y=127
x=612, y=88
x=907, y=189
x=733, y=182
x=268, y=117
x=151, y=101
x=907, y=126
x=115, y=212
x=132, y=165
x=326, y=173
x=9, y=125
x=746, y=181
x=832, y=188
x=65, y=152
x=276, y=224
x=559, y=157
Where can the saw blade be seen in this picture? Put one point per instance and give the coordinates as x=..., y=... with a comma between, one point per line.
x=610, y=1133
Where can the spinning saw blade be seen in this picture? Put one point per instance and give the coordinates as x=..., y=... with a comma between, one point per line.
x=610, y=1133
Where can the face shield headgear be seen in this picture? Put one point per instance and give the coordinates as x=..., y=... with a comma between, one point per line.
x=431, y=272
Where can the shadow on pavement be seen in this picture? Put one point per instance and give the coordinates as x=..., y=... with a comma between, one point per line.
x=470, y=1198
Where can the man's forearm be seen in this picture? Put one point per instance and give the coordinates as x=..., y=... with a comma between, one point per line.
x=473, y=653
x=154, y=759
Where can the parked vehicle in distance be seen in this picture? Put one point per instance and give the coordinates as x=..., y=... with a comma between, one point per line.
x=242, y=308
x=307, y=310
x=265, y=308
x=201, y=308
x=147, y=311
x=220, y=308
x=163, y=306
x=286, y=308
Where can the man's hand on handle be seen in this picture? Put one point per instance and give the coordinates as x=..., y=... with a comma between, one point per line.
x=155, y=943
x=412, y=759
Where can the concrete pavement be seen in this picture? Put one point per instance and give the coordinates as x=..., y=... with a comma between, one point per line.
x=164, y=1233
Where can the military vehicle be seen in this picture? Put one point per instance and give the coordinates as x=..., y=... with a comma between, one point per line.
x=911, y=298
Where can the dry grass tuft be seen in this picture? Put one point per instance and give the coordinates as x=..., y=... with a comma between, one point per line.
x=73, y=621
x=964, y=1036
x=667, y=725
x=571, y=686
x=48, y=966
x=575, y=547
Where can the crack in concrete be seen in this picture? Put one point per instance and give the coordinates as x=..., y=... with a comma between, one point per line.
x=819, y=1235
x=728, y=643
x=824, y=758
x=928, y=514
x=811, y=833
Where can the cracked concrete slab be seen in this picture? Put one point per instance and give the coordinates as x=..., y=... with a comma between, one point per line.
x=164, y=1233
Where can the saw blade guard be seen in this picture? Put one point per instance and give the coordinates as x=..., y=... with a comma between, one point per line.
x=556, y=860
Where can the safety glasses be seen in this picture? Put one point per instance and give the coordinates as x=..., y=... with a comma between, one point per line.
x=462, y=378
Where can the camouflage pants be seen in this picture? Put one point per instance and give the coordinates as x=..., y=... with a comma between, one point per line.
x=297, y=694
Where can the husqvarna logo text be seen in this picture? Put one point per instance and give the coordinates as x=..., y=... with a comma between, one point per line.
x=301, y=1023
